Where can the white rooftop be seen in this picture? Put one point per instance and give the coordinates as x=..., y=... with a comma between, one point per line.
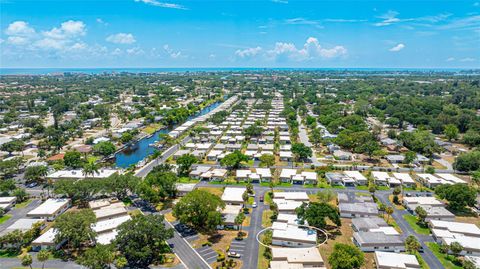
x=49, y=207
x=231, y=194
x=396, y=260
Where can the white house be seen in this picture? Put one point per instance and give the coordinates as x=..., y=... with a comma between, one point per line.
x=50, y=209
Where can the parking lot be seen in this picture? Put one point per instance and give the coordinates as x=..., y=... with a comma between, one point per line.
x=208, y=254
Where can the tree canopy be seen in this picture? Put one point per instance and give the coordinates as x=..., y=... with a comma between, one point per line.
x=199, y=208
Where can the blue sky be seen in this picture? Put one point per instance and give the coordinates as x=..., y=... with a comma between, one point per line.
x=268, y=33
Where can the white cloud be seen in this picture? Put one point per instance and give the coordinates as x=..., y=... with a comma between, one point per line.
x=17, y=40
x=345, y=20
x=249, y=52
x=398, y=47
x=467, y=59
x=135, y=51
x=73, y=28
x=173, y=54
x=117, y=51
x=311, y=50
x=388, y=18
x=450, y=59
x=67, y=30
x=121, y=38
x=161, y=4
x=19, y=28
x=100, y=21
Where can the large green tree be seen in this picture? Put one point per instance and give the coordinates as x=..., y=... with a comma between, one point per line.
x=142, y=240
x=234, y=159
x=158, y=186
x=316, y=214
x=185, y=162
x=199, y=208
x=346, y=257
x=301, y=151
x=98, y=257
x=73, y=159
x=104, y=148
x=75, y=228
x=458, y=195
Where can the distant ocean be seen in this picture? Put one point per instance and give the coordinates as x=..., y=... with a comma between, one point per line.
x=46, y=71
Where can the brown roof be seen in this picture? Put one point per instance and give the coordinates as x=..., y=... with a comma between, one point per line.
x=56, y=157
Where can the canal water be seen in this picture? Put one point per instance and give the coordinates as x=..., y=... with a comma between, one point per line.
x=141, y=149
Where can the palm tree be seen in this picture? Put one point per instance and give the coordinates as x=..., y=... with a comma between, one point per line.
x=389, y=211
x=90, y=168
x=43, y=256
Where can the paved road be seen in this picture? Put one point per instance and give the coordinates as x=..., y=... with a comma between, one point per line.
x=407, y=230
x=250, y=255
x=18, y=213
x=184, y=251
x=303, y=135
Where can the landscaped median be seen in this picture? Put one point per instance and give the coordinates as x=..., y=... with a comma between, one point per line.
x=445, y=260
x=412, y=221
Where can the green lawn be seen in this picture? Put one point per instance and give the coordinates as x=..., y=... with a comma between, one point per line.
x=382, y=188
x=23, y=204
x=445, y=260
x=5, y=218
x=188, y=180
x=338, y=187
x=267, y=199
x=363, y=188
x=324, y=185
x=412, y=221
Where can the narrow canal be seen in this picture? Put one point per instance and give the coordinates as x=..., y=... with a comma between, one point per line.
x=138, y=151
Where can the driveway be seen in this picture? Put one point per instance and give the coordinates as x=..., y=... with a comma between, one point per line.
x=19, y=213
